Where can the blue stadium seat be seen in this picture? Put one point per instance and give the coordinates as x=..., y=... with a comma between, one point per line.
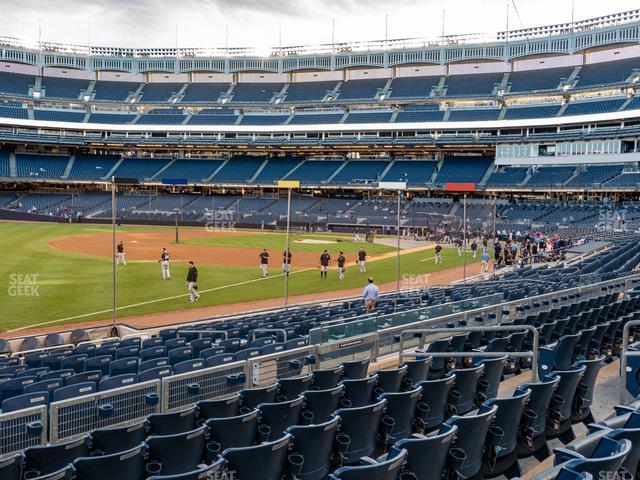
x=278, y=416
x=172, y=423
x=390, y=381
x=427, y=455
x=105, y=441
x=11, y=467
x=118, y=381
x=125, y=465
x=247, y=353
x=154, y=363
x=199, y=345
x=262, y=462
x=534, y=418
x=437, y=367
x=63, y=374
x=417, y=371
x=54, y=361
x=99, y=362
x=558, y=356
x=433, y=408
x=65, y=473
x=290, y=388
x=151, y=342
x=356, y=369
x=174, y=454
x=123, y=366
x=584, y=393
x=25, y=400
x=188, y=366
x=606, y=457
x=88, y=349
x=466, y=455
x=151, y=353
x=221, y=359
x=231, y=432
x=462, y=395
x=252, y=397
x=398, y=418
x=324, y=379
x=221, y=408
x=131, y=351
x=179, y=354
x=43, y=386
x=357, y=433
x=75, y=390
x=503, y=438
x=15, y=387
x=49, y=459
x=388, y=469
x=312, y=448
x=213, y=471
x=489, y=382
x=89, y=376
x=131, y=342
x=157, y=373
x=322, y=403
x=358, y=393
x=562, y=403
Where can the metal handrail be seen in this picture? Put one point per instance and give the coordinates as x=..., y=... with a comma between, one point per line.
x=533, y=354
x=267, y=330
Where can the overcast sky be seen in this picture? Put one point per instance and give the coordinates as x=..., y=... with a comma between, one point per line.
x=255, y=23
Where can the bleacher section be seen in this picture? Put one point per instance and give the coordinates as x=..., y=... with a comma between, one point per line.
x=67, y=88
x=361, y=89
x=606, y=72
x=507, y=177
x=470, y=114
x=59, y=115
x=314, y=171
x=588, y=107
x=159, y=92
x=92, y=167
x=472, y=85
x=110, y=91
x=15, y=84
x=413, y=172
x=308, y=91
x=537, y=111
x=413, y=87
x=190, y=170
x=238, y=170
x=276, y=169
x=40, y=166
x=359, y=172
x=550, y=177
x=538, y=80
x=140, y=168
x=594, y=175
x=204, y=92
x=255, y=92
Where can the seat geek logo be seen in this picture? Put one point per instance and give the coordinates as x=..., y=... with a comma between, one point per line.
x=23, y=285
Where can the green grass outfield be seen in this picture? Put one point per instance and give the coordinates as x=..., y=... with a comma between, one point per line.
x=69, y=287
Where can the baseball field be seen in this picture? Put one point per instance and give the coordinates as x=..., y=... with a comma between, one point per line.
x=61, y=274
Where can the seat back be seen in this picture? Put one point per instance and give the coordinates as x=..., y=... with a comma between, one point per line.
x=291, y=388
x=252, y=397
x=312, y=447
x=128, y=464
x=49, y=459
x=358, y=393
x=433, y=405
x=178, y=453
x=507, y=420
x=227, y=407
x=563, y=399
x=279, y=416
x=538, y=403
x=417, y=370
x=584, y=393
x=489, y=382
x=386, y=470
x=390, y=381
x=328, y=378
x=26, y=400
x=232, y=432
x=356, y=369
x=397, y=421
x=112, y=440
x=322, y=403
x=463, y=393
x=262, y=462
x=358, y=428
x=172, y=423
x=75, y=390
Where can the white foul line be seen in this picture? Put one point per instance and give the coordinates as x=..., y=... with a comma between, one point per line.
x=133, y=305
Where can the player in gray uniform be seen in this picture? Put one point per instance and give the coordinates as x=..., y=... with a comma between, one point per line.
x=264, y=263
x=120, y=254
x=341, y=262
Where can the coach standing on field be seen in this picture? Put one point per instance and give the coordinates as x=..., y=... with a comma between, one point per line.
x=120, y=254
x=192, y=282
x=325, y=258
x=362, y=260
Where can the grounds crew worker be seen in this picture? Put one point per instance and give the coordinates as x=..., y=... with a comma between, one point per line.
x=192, y=282
x=164, y=264
x=264, y=263
x=325, y=258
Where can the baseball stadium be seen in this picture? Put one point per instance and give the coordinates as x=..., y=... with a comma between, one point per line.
x=414, y=258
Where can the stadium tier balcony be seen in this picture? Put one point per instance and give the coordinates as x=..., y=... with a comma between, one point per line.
x=472, y=85
x=190, y=170
x=369, y=117
x=13, y=110
x=238, y=170
x=213, y=117
x=625, y=180
x=598, y=74
x=462, y=170
x=595, y=175
x=59, y=115
x=592, y=107
x=111, y=118
x=314, y=171
x=473, y=114
x=536, y=111
x=113, y=91
x=16, y=84
x=162, y=117
x=140, y=168
x=362, y=171
x=538, y=80
x=413, y=87
x=308, y=91
x=4, y=164
x=92, y=167
x=204, y=92
x=361, y=89
x=414, y=172
x=255, y=92
x=159, y=92
x=550, y=176
x=420, y=113
x=507, y=177
x=276, y=169
x=34, y=166
x=65, y=88
x=315, y=118
x=267, y=119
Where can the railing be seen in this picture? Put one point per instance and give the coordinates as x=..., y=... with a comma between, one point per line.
x=70, y=419
x=533, y=354
x=22, y=429
x=624, y=354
